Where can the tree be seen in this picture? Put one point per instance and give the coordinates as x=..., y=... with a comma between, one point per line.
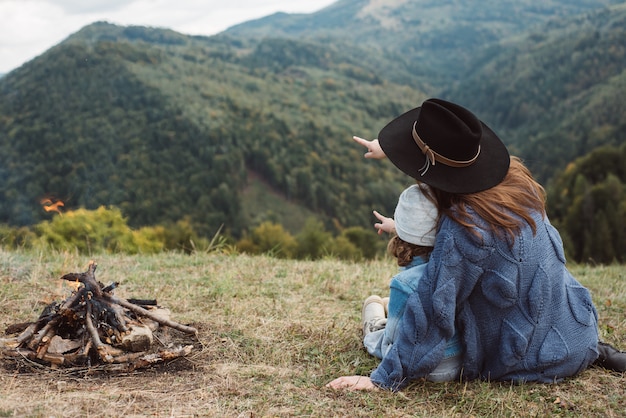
x=587, y=201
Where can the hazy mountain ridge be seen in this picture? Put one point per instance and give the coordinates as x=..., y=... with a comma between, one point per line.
x=166, y=126
x=440, y=36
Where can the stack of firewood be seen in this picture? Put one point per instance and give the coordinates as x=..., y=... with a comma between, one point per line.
x=92, y=326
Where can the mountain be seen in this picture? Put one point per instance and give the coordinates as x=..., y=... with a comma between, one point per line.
x=557, y=94
x=167, y=126
x=547, y=76
x=255, y=123
x=435, y=40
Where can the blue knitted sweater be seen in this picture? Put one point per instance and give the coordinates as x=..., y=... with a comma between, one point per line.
x=520, y=314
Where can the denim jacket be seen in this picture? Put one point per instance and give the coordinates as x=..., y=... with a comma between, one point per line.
x=402, y=285
x=520, y=314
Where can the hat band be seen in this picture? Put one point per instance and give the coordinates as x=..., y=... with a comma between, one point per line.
x=432, y=156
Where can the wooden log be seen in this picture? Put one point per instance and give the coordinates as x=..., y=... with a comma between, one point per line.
x=42, y=349
x=95, y=338
x=141, y=311
x=28, y=333
x=46, y=316
x=55, y=359
x=87, y=278
x=44, y=331
x=17, y=328
x=110, y=287
x=87, y=347
x=125, y=358
x=142, y=302
x=163, y=313
x=159, y=357
x=72, y=300
x=118, y=312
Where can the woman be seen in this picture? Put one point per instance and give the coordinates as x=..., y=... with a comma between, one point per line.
x=497, y=272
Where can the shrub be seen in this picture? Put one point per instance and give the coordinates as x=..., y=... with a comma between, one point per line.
x=342, y=248
x=269, y=238
x=14, y=238
x=88, y=231
x=150, y=239
x=366, y=241
x=313, y=240
x=181, y=236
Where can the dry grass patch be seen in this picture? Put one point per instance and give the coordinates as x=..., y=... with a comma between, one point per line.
x=272, y=333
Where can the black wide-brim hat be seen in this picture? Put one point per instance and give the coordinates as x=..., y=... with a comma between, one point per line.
x=445, y=146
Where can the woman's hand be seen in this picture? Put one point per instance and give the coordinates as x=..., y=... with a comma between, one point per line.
x=353, y=383
x=373, y=148
x=386, y=224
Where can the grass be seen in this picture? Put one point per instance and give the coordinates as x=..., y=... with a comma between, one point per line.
x=272, y=333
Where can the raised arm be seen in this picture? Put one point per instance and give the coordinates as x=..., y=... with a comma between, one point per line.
x=385, y=225
x=373, y=148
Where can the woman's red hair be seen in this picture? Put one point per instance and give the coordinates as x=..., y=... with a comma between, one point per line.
x=505, y=207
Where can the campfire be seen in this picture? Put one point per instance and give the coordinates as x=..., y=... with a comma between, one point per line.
x=50, y=206
x=94, y=327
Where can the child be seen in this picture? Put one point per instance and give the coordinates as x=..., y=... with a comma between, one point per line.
x=415, y=224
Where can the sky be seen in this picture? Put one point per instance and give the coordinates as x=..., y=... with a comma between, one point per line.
x=29, y=28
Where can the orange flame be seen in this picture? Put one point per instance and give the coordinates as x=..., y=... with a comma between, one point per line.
x=50, y=206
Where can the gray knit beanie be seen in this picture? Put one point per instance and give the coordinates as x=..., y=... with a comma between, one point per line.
x=416, y=217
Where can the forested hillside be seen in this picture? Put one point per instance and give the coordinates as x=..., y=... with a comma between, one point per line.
x=255, y=124
x=435, y=41
x=557, y=94
x=167, y=126
x=548, y=76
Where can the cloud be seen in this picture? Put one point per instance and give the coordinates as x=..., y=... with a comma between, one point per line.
x=30, y=27
x=24, y=27
x=88, y=6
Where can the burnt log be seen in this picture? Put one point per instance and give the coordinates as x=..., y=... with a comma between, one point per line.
x=144, y=312
x=88, y=279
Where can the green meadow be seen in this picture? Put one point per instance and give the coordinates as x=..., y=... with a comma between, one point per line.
x=271, y=334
